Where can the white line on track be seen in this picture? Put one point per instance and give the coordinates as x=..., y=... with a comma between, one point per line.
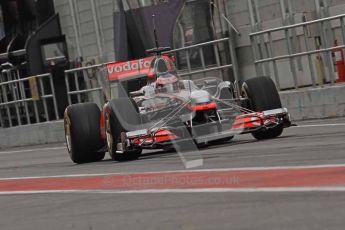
x=318, y=125
x=33, y=150
x=198, y=190
x=185, y=171
x=220, y=190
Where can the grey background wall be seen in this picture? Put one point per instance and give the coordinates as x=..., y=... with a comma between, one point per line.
x=87, y=28
x=89, y=23
x=271, y=15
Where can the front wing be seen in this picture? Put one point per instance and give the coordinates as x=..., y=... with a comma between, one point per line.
x=245, y=123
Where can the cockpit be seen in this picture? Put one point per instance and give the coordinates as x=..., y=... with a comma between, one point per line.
x=167, y=83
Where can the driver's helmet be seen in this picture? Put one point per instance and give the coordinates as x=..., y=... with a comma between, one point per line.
x=167, y=83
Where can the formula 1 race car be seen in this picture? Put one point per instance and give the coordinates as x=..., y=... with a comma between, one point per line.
x=149, y=107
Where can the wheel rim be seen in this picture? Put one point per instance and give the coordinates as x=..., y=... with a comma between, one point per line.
x=244, y=93
x=109, y=136
x=68, y=136
x=68, y=142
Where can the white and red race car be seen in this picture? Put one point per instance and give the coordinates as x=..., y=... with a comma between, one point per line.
x=149, y=107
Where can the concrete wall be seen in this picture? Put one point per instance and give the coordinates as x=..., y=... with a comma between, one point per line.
x=316, y=103
x=44, y=133
x=86, y=29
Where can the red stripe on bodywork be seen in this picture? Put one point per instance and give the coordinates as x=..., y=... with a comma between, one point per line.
x=159, y=136
x=204, y=107
x=244, y=121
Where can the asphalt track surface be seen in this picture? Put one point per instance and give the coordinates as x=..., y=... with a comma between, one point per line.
x=296, y=181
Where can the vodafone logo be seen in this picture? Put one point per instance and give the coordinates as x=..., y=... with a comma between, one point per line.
x=129, y=66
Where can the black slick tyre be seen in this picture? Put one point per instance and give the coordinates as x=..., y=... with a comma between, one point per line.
x=82, y=133
x=263, y=95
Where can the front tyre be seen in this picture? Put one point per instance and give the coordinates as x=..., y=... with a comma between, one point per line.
x=82, y=133
x=263, y=95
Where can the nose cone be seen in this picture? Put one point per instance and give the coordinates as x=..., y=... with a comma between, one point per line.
x=200, y=97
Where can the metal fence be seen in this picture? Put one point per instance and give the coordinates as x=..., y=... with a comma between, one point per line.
x=193, y=62
x=203, y=63
x=317, y=59
x=24, y=101
x=82, y=84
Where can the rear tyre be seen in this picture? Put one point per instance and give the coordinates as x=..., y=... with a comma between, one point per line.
x=114, y=129
x=263, y=95
x=82, y=133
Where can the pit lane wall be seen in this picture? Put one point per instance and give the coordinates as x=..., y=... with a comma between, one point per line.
x=315, y=103
x=303, y=104
x=36, y=134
